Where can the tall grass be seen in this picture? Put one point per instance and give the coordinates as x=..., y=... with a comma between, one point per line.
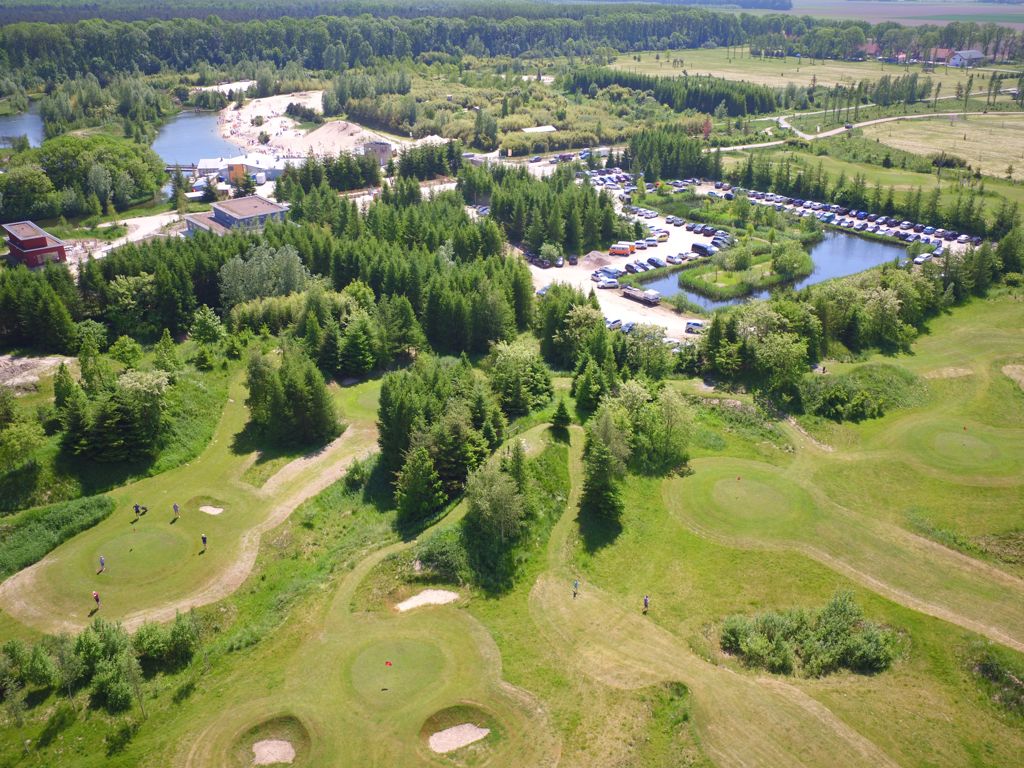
x=28, y=537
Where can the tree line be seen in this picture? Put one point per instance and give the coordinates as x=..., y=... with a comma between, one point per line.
x=688, y=92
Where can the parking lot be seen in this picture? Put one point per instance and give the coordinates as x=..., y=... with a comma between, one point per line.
x=614, y=305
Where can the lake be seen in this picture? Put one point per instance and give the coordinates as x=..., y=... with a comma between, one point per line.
x=184, y=139
x=190, y=136
x=839, y=254
x=25, y=124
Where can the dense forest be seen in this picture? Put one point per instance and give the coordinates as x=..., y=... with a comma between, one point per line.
x=107, y=48
x=237, y=10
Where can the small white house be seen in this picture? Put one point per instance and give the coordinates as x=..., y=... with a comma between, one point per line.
x=968, y=58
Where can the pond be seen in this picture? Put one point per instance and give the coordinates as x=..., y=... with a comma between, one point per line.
x=839, y=254
x=191, y=136
x=24, y=124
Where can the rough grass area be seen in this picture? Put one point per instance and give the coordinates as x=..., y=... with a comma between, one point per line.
x=28, y=537
x=867, y=391
x=990, y=143
x=1000, y=675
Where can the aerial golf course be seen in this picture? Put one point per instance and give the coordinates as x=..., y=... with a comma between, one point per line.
x=301, y=577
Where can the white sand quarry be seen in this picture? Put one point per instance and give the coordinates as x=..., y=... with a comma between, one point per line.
x=211, y=510
x=428, y=597
x=457, y=737
x=272, y=752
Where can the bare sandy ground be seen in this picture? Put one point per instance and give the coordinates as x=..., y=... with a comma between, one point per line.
x=237, y=85
x=1015, y=372
x=428, y=597
x=272, y=752
x=22, y=373
x=286, y=137
x=457, y=737
x=211, y=510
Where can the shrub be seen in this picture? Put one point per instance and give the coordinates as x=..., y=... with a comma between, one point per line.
x=444, y=555
x=836, y=637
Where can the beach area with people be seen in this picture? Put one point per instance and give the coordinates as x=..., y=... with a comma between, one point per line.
x=243, y=127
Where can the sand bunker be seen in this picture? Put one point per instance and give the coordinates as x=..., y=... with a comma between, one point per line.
x=211, y=510
x=949, y=373
x=428, y=597
x=1015, y=372
x=457, y=737
x=272, y=752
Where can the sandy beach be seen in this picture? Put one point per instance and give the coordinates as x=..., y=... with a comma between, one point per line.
x=286, y=137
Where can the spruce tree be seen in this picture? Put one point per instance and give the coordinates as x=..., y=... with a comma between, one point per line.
x=561, y=419
x=418, y=492
x=600, y=496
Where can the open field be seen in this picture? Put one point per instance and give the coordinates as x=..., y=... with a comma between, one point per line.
x=911, y=13
x=990, y=143
x=724, y=62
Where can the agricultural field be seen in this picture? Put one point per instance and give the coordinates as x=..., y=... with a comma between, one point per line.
x=738, y=64
x=991, y=144
x=911, y=13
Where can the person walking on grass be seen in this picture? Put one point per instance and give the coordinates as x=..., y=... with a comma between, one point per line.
x=96, y=597
x=647, y=604
x=103, y=564
x=138, y=511
x=575, y=588
x=177, y=511
x=204, y=541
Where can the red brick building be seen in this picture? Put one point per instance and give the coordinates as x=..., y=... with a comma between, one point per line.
x=32, y=246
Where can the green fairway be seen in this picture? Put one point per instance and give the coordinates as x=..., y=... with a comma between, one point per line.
x=156, y=564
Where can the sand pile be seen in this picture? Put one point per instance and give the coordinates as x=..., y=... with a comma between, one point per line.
x=211, y=510
x=272, y=752
x=457, y=737
x=428, y=597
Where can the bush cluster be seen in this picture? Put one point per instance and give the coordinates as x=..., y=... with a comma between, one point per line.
x=866, y=392
x=811, y=643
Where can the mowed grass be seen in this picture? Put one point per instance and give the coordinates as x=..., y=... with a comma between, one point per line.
x=738, y=64
x=159, y=562
x=989, y=143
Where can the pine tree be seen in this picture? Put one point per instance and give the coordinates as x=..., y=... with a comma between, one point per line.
x=561, y=419
x=418, y=492
x=64, y=386
x=357, y=347
x=600, y=496
x=165, y=355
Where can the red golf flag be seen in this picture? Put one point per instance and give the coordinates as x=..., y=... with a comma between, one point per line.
x=387, y=663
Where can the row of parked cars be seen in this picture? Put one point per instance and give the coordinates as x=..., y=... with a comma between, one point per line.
x=865, y=221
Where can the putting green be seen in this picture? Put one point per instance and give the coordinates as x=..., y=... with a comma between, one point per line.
x=965, y=448
x=416, y=666
x=744, y=498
